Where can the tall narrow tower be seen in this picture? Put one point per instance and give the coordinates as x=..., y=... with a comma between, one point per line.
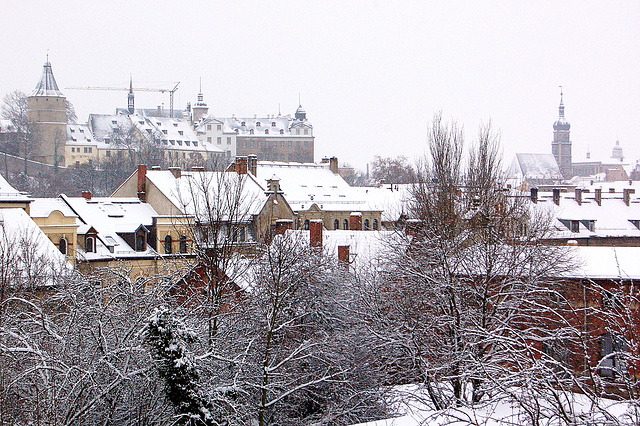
x=561, y=145
x=200, y=109
x=48, y=113
x=131, y=97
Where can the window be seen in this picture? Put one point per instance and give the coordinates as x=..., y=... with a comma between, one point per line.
x=195, y=143
x=86, y=149
x=209, y=139
x=575, y=226
x=208, y=126
x=219, y=127
x=366, y=224
x=179, y=142
x=250, y=131
x=219, y=140
x=282, y=133
x=90, y=245
x=62, y=245
x=90, y=149
x=163, y=131
x=290, y=144
x=243, y=124
x=306, y=225
x=282, y=144
x=336, y=224
x=187, y=143
x=297, y=131
x=107, y=153
x=375, y=224
x=180, y=132
x=612, y=348
x=257, y=124
x=345, y=225
x=306, y=131
x=107, y=140
x=183, y=244
x=141, y=240
x=273, y=124
x=266, y=131
x=259, y=144
x=74, y=150
x=228, y=140
x=167, y=244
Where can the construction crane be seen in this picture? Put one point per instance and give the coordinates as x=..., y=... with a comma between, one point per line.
x=132, y=89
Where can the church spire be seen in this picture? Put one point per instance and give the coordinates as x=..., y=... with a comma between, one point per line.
x=130, y=96
x=47, y=85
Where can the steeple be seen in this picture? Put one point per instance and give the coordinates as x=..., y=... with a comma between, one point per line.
x=130, y=96
x=200, y=109
x=561, y=124
x=201, y=103
x=561, y=145
x=47, y=85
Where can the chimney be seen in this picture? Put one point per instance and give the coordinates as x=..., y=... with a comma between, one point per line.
x=282, y=225
x=626, y=195
x=579, y=196
x=142, y=182
x=86, y=194
x=599, y=196
x=156, y=168
x=343, y=256
x=315, y=233
x=325, y=160
x=197, y=169
x=534, y=195
x=176, y=172
x=241, y=165
x=556, y=196
x=273, y=185
x=333, y=165
x=253, y=164
x=355, y=221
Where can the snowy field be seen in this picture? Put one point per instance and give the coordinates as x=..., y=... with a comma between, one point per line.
x=414, y=409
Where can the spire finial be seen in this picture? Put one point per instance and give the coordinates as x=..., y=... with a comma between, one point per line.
x=299, y=102
x=47, y=55
x=200, y=84
x=130, y=82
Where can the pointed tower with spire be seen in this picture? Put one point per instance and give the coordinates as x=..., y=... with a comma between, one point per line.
x=48, y=113
x=130, y=97
x=200, y=109
x=561, y=145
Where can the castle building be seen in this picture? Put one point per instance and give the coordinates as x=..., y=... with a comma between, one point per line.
x=48, y=113
x=561, y=145
x=270, y=138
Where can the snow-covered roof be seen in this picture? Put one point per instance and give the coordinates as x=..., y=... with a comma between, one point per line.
x=612, y=218
x=606, y=262
x=257, y=126
x=79, y=134
x=535, y=167
x=8, y=194
x=305, y=184
x=47, y=85
x=111, y=217
x=224, y=190
x=392, y=199
x=43, y=207
x=32, y=255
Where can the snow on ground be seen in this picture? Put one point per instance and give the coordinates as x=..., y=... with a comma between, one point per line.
x=413, y=409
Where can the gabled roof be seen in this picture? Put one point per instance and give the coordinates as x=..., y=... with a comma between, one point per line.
x=305, y=184
x=8, y=194
x=233, y=197
x=32, y=255
x=47, y=85
x=111, y=217
x=535, y=167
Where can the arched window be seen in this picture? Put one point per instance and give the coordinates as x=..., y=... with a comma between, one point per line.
x=306, y=224
x=336, y=224
x=167, y=244
x=366, y=224
x=243, y=124
x=266, y=132
x=90, y=245
x=375, y=224
x=273, y=124
x=345, y=225
x=257, y=124
x=183, y=243
x=282, y=133
x=250, y=131
x=63, y=245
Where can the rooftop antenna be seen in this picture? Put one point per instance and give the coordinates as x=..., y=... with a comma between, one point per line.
x=278, y=109
x=200, y=84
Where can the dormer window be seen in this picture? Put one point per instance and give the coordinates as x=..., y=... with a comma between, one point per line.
x=180, y=132
x=81, y=130
x=243, y=124
x=282, y=132
x=141, y=240
x=90, y=245
x=187, y=143
x=266, y=131
x=195, y=143
x=257, y=124
x=179, y=142
x=250, y=131
x=273, y=124
x=114, y=122
x=163, y=131
x=72, y=130
x=167, y=244
x=175, y=124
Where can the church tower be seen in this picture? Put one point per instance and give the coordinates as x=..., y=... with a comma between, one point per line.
x=200, y=109
x=561, y=145
x=48, y=113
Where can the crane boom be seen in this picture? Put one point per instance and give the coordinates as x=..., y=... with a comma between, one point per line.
x=135, y=89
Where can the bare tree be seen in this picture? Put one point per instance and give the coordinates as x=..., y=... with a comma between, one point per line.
x=392, y=170
x=15, y=108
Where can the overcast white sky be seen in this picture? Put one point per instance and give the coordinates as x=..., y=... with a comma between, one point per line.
x=370, y=73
